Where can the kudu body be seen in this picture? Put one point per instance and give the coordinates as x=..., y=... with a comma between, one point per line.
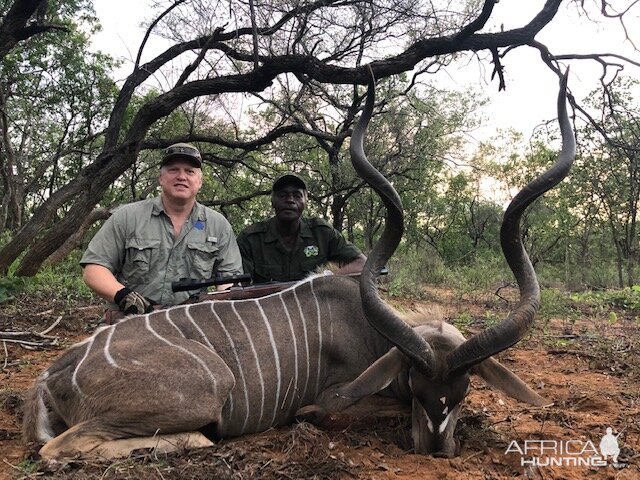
x=242, y=366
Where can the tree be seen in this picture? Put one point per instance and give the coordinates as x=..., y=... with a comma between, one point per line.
x=23, y=19
x=54, y=101
x=612, y=156
x=238, y=48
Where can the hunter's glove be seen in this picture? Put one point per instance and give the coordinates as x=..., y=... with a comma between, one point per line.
x=132, y=303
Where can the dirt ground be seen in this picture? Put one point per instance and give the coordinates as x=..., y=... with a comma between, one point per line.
x=588, y=368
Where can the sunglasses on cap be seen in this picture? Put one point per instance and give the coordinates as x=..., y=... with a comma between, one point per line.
x=182, y=150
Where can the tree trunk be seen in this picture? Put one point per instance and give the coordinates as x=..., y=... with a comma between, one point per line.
x=11, y=205
x=85, y=200
x=337, y=211
x=77, y=238
x=13, y=27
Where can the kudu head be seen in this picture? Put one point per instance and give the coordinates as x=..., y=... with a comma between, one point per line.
x=439, y=369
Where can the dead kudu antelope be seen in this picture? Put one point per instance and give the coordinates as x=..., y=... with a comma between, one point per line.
x=242, y=366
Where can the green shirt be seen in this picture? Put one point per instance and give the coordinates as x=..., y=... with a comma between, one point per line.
x=137, y=244
x=266, y=259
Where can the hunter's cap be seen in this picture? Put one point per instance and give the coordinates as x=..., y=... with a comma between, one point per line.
x=289, y=178
x=182, y=151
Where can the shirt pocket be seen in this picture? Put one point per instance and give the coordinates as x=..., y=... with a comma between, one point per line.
x=203, y=257
x=139, y=253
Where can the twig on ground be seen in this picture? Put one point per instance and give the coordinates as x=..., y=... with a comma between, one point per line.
x=504, y=285
x=6, y=356
x=471, y=456
x=566, y=351
x=31, y=340
x=30, y=344
x=566, y=336
x=52, y=326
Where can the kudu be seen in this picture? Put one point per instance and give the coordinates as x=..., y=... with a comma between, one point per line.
x=241, y=366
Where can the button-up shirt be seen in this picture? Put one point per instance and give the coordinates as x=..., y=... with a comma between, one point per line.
x=138, y=245
x=266, y=258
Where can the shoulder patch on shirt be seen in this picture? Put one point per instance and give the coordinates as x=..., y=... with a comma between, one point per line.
x=311, y=251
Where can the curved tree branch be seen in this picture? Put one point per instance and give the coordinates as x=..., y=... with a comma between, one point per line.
x=123, y=140
x=15, y=26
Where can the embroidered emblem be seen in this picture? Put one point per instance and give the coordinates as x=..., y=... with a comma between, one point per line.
x=199, y=225
x=311, y=251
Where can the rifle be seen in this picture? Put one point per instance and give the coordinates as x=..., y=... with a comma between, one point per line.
x=191, y=284
x=240, y=290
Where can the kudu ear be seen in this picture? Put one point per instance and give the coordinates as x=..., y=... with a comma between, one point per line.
x=378, y=376
x=500, y=377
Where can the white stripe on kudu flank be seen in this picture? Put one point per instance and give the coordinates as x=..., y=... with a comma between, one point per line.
x=306, y=342
x=258, y=367
x=296, y=388
x=319, y=360
x=74, y=377
x=167, y=317
x=107, y=355
x=184, y=350
x=276, y=359
x=239, y=364
x=193, y=322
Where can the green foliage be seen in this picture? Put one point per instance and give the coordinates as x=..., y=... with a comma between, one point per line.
x=62, y=282
x=9, y=286
x=463, y=322
x=28, y=467
x=491, y=319
x=479, y=274
x=555, y=303
x=626, y=299
x=410, y=270
x=609, y=177
x=57, y=95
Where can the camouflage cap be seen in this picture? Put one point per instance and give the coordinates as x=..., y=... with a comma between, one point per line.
x=183, y=151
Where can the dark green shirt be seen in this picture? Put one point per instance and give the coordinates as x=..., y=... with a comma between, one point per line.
x=266, y=259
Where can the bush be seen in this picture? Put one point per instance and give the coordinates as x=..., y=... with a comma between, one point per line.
x=481, y=275
x=59, y=283
x=410, y=269
x=626, y=299
x=9, y=286
x=62, y=282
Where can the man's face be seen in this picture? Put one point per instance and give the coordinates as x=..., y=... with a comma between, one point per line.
x=180, y=180
x=288, y=202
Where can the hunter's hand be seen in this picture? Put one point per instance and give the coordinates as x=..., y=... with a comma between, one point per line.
x=131, y=302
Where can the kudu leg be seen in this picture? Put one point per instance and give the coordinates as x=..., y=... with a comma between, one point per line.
x=153, y=391
x=329, y=401
x=87, y=439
